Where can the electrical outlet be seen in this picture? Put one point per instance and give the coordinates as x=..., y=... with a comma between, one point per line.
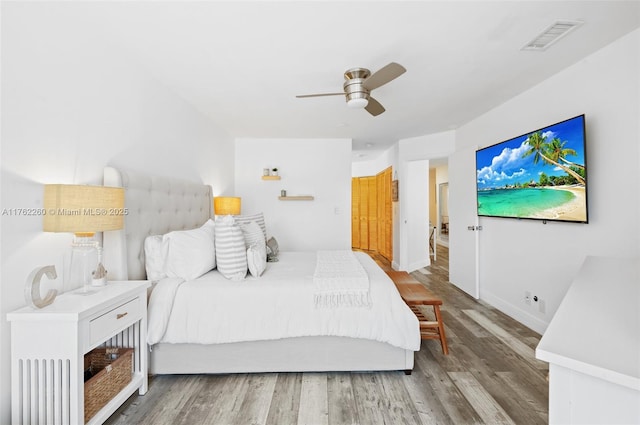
x=527, y=298
x=542, y=306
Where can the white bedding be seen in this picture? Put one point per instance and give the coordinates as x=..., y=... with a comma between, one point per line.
x=279, y=304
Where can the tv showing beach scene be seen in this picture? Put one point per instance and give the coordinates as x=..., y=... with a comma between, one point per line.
x=540, y=175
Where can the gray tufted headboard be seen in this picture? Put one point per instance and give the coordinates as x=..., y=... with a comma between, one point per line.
x=156, y=205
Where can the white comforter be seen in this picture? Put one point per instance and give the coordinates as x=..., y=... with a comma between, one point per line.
x=280, y=304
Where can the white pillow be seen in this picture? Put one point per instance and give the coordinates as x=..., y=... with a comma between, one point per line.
x=258, y=218
x=256, y=260
x=231, y=252
x=190, y=253
x=253, y=234
x=154, y=257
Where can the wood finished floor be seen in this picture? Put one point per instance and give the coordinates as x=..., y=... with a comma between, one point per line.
x=489, y=377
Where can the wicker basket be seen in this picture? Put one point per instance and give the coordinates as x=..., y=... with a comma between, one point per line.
x=112, y=370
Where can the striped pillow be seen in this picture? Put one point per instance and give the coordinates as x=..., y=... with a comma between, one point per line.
x=258, y=218
x=231, y=252
x=253, y=234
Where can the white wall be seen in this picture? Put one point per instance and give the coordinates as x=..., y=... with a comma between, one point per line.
x=317, y=167
x=374, y=166
x=517, y=256
x=71, y=106
x=430, y=146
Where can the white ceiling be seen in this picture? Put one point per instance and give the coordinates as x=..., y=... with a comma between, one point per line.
x=242, y=63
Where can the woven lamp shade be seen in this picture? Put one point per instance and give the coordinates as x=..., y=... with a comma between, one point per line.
x=83, y=210
x=226, y=205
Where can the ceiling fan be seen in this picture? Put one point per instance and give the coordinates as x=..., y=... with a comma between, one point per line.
x=358, y=84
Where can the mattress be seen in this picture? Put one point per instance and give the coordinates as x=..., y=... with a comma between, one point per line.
x=279, y=304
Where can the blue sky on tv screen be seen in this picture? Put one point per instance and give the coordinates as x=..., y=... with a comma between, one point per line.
x=503, y=164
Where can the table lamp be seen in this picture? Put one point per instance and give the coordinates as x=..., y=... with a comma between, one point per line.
x=83, y=211
x=226, y=205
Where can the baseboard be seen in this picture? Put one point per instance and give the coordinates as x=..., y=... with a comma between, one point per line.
x=418, y=265
x=512, y=311
x=413, y=266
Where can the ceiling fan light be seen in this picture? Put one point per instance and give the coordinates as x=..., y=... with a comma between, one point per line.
x=357, y=103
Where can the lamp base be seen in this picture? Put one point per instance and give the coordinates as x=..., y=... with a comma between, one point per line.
x=84, y=257
x=99, y=282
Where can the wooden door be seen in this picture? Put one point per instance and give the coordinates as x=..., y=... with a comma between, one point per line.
x=380, y=229
x=385, y=214
x=360, y=212
x=355, y=212
x=361, y=203
x=364, y=213
x=371, y=213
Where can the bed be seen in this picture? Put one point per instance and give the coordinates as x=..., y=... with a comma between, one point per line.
x=272, y=323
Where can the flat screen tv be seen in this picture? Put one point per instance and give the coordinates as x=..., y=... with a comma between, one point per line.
x=541, y=175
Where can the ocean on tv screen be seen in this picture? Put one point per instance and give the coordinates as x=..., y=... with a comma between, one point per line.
x=521, y=202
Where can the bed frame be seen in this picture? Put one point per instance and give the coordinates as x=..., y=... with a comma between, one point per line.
x=157, y=205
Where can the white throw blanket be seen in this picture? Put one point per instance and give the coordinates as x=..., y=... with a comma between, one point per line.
x=340, y=281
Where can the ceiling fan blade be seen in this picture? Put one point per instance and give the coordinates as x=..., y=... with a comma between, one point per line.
x=384, y=75
x=374, y=107
x=320, y=94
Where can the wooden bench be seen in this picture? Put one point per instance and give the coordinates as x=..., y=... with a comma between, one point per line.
x=414, y=295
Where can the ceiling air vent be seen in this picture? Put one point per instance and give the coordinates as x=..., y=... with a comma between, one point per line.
x=552, y=34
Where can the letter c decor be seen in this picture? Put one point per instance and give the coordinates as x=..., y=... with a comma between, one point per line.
x=32, y=287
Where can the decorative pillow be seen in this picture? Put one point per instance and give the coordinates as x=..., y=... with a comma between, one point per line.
x=253, y=234
x=272, y=250
x=257, y=260
x=190, y=253
x=154, y=257
x=258, y=218
x=231, y=252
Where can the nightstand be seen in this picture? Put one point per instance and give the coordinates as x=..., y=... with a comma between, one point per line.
x=48, y=347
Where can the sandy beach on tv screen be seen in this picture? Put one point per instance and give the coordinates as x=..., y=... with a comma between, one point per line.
x=575, y=210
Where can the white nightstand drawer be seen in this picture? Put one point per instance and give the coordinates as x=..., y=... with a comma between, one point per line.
x=119, y=318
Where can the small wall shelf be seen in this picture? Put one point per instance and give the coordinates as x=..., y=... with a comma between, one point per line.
x=296, y=198
x=270, y=177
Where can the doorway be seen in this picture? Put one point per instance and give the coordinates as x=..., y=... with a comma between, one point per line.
x=443, y=213
x=439, y=216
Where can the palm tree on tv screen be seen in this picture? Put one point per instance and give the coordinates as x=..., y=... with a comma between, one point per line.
x=558, y=152
x=542, y=150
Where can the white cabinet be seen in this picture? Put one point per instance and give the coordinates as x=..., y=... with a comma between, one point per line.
x=593, y=346
x=48, y=347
